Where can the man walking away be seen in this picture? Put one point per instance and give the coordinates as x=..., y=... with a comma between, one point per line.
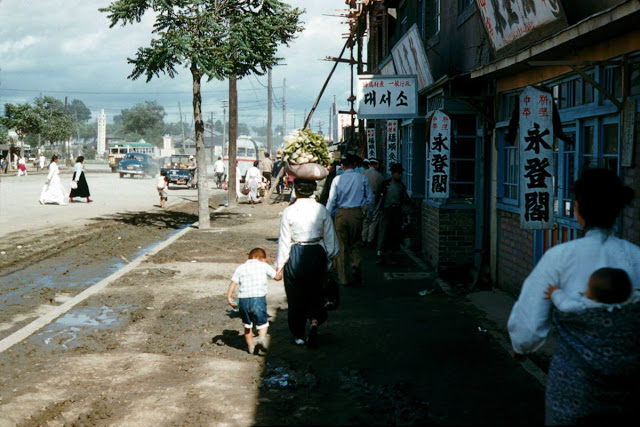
x=375, y=180
x=393, y=195
x=349, y=193
x=267, y=168
x=218, y=168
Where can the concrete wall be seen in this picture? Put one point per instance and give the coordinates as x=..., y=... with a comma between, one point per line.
x=447, y=236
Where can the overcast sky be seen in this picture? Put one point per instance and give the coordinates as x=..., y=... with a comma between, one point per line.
x=66, y=48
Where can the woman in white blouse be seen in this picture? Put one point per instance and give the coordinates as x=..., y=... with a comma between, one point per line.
x=82, y=188
x=53, y=190
x=599, y=199
x=307, y=249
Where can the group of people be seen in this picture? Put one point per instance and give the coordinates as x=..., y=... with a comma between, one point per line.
x=321, y=231
x=54, y=192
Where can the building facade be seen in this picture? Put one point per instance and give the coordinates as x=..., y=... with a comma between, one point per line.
x=474, y=59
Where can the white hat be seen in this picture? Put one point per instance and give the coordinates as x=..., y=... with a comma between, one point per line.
x=191, y=157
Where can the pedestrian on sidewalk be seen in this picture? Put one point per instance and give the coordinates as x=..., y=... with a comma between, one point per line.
x=250, y=279
x=349, y=193
x=307, y=250
x=81, y=187
x=392, y=198
x=218, y=168
x=583, y=386
x=277, y=166
x=41, y=161
x=253, y=178
x=267, y=168
x=22, y=167
x=370, y=226
x=3, y=165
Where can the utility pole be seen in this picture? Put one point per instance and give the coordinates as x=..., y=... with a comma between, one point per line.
x=182, y=123
x=224, y=126
x=269, y=106
x=284, y=107
x=212, y=144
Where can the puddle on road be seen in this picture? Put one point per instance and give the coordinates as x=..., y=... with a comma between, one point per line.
x=66, y=330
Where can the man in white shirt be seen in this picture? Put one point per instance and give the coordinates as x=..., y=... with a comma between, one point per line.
x=218, y=168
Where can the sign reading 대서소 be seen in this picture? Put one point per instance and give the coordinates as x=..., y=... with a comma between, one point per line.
x=392, y=142
x=536, y=159
x=439, y=155
x=387, y=97
x=371, y=142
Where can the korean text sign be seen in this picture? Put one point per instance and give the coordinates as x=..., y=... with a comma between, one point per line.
x=387, y=97
x=371, y=142
x=439, y=155
x=392, y=142
x=536, y=160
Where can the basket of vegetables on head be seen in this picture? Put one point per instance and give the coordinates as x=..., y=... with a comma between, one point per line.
x=306, y=155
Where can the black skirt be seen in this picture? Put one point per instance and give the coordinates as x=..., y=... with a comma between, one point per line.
x=83, y=187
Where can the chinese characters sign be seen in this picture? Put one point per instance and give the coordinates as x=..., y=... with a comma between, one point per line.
x=506, y=21
x=371, y=142
x=387, y=97
x=409, y=57
x=439, y=155
x=392, y=142
x=536, y=160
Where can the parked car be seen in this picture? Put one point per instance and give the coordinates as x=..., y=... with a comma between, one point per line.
x=177, y=169
x=138, y=164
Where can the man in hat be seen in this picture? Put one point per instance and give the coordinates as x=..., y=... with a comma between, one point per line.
x=392, y=197
x=348, y=194
x=267, y=168
x=277, y=166
x=375, y=178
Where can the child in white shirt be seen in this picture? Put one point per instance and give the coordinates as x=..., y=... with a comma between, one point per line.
x=163, y=185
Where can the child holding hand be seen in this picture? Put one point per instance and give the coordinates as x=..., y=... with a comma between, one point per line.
x=250, y=279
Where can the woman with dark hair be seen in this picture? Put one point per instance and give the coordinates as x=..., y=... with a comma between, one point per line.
x=307, y=249
x=595, y=374
x=53, y=191
x=81, y=187
x=253, y=179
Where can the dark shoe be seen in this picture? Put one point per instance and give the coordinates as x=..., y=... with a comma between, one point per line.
x=312, y=339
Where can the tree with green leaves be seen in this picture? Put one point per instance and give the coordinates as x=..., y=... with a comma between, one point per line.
x=55, y=123
x=79, y=111
x=143, y=121
x=214, y=39
x=23, y=119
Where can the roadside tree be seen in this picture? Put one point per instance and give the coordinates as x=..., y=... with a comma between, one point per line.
x=143, y=121
x=213, y=39
x=23, y=119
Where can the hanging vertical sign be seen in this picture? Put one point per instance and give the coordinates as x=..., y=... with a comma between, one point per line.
x=536, y=159
x=439, y=154
x=371, y=142
x=392, y=142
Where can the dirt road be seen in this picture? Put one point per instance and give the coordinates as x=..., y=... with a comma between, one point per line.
x=159, y=345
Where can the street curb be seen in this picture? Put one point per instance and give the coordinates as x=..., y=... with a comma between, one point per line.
x=44, y=320
x=528, y=365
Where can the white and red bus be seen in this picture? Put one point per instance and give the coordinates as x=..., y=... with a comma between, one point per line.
x=248, y=151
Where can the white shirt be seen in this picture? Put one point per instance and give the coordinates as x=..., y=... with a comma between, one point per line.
x=251, y=278
x=53, y=170
x=77, y=170
x=568, y=266
x=253, y=174
x=305, y=221
x=564, y=303
x=218, y=166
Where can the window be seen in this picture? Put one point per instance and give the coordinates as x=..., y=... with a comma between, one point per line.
x=463, y=158
x=407, y=156
x=509, y=166
x=634, y=84
x=433, y=19
x=463, y=4
x=612, y=80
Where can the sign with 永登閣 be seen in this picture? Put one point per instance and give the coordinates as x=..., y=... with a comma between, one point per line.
x=371, y=143
x=439, y=154
x=392, y=142
x=535, y=140
x=387, y=97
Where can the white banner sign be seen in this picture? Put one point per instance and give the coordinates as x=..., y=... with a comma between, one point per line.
x=371, y=142
x=410, y=58
x=387, y=97
x=439, y=155
x=392, y=142
x=507, y=21
x=343, y=121
x=535, y=134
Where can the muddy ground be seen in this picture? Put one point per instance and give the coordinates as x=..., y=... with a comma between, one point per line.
x=160, y=346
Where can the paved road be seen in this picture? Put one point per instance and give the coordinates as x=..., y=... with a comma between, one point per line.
x=20, y=210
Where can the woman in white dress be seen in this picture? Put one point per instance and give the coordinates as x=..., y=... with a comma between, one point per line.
x=53, y=190
x=253, y=179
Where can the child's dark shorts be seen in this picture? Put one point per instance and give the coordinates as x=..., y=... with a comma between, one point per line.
x=254, y=310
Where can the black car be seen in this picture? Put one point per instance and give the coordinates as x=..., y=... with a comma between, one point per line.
x=138, y=164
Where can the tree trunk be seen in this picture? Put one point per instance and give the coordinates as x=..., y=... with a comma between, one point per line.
x=233, y=137
x=201, y=157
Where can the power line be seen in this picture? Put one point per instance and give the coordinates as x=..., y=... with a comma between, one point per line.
x=117, y=93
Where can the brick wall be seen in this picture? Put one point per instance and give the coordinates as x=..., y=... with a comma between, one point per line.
x=515, y=253
x=447, y=236
x=631, y=178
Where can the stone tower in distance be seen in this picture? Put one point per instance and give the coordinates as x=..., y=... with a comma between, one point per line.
x=102, y=134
